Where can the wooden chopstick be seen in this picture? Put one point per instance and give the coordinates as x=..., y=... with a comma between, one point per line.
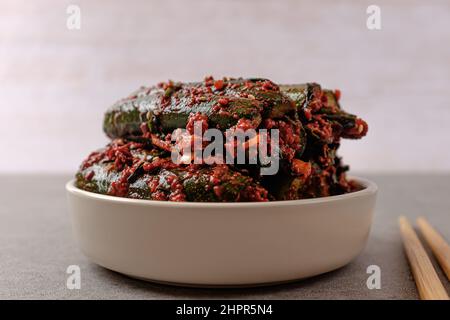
x=437, y=243
x=427, y=281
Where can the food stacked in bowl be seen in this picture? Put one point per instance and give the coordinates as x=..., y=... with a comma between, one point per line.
x=183, y=141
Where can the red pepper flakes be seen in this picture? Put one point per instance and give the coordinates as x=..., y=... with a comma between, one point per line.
x=219, y=85
x=269, y=85
x=117, y=152
x=177, y=196
x=197, y=118
x=153, y=184
x=157, y=142
x=176, y=188
x=214, y=179
x=245, y=124
x=160, y=163
x=90, y=175
x=322, y=128
x=307, y=113
x=249, y=84
x=223, y=101
x=209, y=81
x=120, y=187
x=269, y=123
x=257, y=194
x=196, y=91
x=289, y=138
x=301, y=168
x=159, y=195
x=337, y=94
x=93, y=158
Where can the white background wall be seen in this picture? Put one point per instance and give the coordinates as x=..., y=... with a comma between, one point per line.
x=55, y=84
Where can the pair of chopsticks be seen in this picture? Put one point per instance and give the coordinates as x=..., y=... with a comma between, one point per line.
x=426, y=278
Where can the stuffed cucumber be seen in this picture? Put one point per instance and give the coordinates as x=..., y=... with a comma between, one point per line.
x=307, y=120
x=168, y=106
x=127, y=169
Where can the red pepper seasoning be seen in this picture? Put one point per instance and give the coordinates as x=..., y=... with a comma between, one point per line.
x=322, y=118
x=269, y=85
x=90, y=175
x=219, y=85
x=197, y=118
x=209, y=81
x=307, y=113
x=337, y=94
x=223, y=101
x=301, y=168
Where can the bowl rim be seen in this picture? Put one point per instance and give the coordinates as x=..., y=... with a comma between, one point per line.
x=370, y=188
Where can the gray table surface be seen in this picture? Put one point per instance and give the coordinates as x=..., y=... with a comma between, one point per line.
x=37, y=245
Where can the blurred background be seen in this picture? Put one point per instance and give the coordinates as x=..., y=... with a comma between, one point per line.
x=55, y=83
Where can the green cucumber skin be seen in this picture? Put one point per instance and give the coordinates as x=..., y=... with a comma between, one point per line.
x=103, y=178
x=177, y=116
x=101, y=182
x=197, y=187
x=124, y=118
x=277, y=104
x=302, y=95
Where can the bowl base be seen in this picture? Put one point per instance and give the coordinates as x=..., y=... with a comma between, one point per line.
x=215, y=286
x=226, y=286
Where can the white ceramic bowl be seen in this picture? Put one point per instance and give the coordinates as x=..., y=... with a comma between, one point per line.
x=222, y=244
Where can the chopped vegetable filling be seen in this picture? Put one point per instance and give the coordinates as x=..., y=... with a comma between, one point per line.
x=145, y=126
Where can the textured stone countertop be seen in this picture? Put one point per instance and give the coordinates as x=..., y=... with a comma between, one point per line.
x=36, y=246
